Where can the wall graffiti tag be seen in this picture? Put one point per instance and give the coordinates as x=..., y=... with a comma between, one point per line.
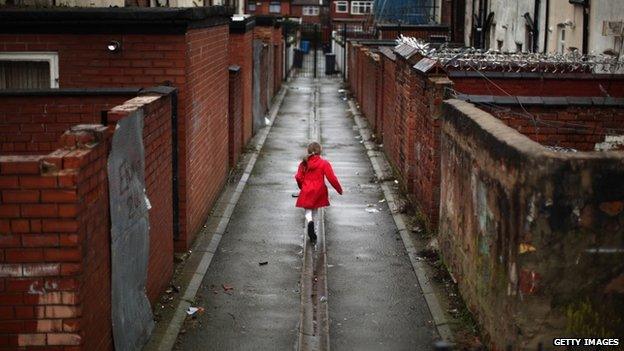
x=131, y=312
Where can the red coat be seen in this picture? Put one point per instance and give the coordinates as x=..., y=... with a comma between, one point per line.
x=311, y=180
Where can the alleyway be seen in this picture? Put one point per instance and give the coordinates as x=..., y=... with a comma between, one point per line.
x=373, y=299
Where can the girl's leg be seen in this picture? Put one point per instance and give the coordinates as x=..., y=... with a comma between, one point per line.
x=315, y=216
x=308, y=215
x=310, y=223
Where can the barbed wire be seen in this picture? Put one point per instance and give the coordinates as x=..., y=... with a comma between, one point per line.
x=471, y=58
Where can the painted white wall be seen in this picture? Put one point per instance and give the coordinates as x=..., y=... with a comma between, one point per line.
x=567, y=17
x=468, y=23
x=509, y=25
x=600, y=11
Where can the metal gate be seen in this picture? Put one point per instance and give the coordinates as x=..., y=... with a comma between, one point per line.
x=258, y=112
x=131, y=313
x=314, y=58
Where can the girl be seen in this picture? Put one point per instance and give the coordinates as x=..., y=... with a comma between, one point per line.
x=310, y=178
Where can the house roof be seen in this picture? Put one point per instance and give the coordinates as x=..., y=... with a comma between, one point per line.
x=112, y=19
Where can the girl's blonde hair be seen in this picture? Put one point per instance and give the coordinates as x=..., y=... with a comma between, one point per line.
x=314, y=148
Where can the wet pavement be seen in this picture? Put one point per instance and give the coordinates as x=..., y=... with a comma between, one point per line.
x=374, y=299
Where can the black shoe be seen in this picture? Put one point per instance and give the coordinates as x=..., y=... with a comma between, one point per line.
x=311, y=232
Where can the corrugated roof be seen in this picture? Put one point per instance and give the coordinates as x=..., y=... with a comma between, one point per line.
x=386, y=51
x=405, y=50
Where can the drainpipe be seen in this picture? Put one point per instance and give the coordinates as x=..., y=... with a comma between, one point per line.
x=536, y=26
x=546, y=15
x=484, y=23
x=175, y=194
x=585, y=26
x=473, y=36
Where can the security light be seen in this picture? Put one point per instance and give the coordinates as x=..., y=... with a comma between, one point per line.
x=113, y=46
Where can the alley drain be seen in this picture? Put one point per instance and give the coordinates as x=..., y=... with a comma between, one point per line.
x=314, y=312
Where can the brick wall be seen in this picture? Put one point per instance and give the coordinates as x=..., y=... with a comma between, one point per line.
x=196, y=63
x=352, y=66
x=413, y=143
x=419, y=32
x=265, y=33
x=53, y=238
x=522, y=229
x=389, y=114
x=533, y=84
x=263, y=8
x=55, y=234
x=577, y=127
x=368, y=102
x=235, y=115
x=411, y=134
x=405, y=83
x=145, y=60
x=206, y=129
x=241, y=54
x=33, y=124
x=278, y=51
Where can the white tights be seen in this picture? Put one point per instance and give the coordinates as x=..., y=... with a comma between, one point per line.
x=311, y=214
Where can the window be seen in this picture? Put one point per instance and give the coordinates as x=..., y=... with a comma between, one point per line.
x=251, y=7
x=275, y=7
x=361, y=7
x=342, y=7
x=28, y=70
x=310, y=11
x=561, y=46
x=434, y=12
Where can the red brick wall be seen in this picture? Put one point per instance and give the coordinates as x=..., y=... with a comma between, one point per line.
x=196, y=63
x=577, y=127
x=235, y=116
x=404, y=117
x=145, y=60
x=297, y=11
x=379, y=98
x=352, y=67
x=241, y=54
x=266, y=34
x=206, y=129
x=368, y=102
x=278, y=50
x=420, y=33
x=415, y=152
x=55, y=234
x=557, y=85
x=263, y=8
x=360, y=72
x=517, y=227
x=33, y=124
x=389, y=115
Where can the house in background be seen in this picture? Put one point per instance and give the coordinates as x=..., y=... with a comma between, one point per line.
x=268, y=7
x=310, y=11
x=352, y=13
x=434, y=21
x=549, y=26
